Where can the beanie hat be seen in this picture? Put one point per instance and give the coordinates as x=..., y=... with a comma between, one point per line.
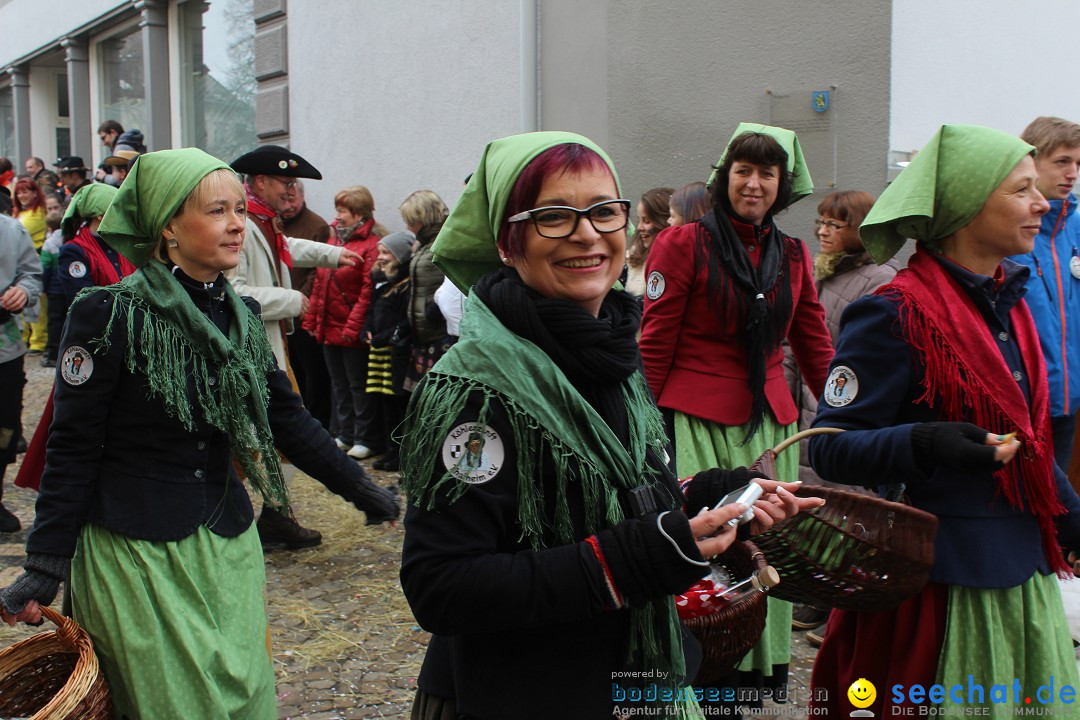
x=400, y=246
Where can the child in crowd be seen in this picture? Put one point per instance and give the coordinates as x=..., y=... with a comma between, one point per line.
x=340, y=299
x=56, y=301
x=387, y=332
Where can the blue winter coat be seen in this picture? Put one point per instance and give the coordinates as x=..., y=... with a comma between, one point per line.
x=1053, y=295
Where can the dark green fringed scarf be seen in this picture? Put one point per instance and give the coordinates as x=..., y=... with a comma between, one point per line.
x=177, y=342
x=549, y=419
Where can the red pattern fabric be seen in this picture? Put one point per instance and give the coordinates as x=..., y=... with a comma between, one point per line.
x=898, y=646
x=966, y=374
x=268, y=221
x=101, y=268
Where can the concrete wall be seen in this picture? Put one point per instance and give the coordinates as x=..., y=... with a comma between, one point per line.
x=989, y=62
x=27, y=25
x=401, y=96
x=663, y=88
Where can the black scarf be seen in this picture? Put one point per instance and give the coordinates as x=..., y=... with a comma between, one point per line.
x=762, y=297
x=595, y=353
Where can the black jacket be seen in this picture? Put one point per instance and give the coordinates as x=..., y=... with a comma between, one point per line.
x=116, y=458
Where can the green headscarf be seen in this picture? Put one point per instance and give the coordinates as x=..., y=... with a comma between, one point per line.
x=465, y=248
x=943, y=188
x=801, y=184
x=153, y=191
x=90, y=201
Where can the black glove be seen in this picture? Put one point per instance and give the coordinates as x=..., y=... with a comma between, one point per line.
x=378, y=503
x=954, y=446
x=708, y=486
x=644, y=564
x=40, y=582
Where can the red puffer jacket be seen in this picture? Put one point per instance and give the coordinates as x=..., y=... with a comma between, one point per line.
x=341, y=296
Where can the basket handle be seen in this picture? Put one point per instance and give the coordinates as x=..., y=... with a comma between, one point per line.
x=69, y=632
x=809, y=432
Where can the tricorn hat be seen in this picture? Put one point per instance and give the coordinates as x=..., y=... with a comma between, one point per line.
x=275, y=160
x=70, y=163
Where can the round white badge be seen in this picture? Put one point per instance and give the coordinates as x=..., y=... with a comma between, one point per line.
x=473, y=453
x=655, y=285
x=1074, y=266
x=841, y=387
x=77, y=365
x=282, y=164
x=77, y=269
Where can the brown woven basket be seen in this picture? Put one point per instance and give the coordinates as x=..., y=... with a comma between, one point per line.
x=53, y=675
x=856, y=553
x=728, y=634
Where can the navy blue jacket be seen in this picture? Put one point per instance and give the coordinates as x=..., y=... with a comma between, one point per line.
x=118, y=459
x=982, y=541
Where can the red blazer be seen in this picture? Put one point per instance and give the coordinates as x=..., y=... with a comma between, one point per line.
x=340, y=296
x=699, y=368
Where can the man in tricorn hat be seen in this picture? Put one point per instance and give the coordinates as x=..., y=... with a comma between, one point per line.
x=72, y=172
x=271, y=173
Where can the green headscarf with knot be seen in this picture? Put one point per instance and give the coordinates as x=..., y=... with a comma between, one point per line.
x=150, y=196
x=465, y=249
x=801, y=184
x=90, y=201
x=942, y=190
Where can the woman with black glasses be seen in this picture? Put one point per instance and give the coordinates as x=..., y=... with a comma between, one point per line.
x=545, y=535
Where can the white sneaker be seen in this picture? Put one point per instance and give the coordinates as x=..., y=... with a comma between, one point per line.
x=359, y=452
x=342, y=445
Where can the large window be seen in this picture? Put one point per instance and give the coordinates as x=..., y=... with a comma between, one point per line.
x=123, y=91
x=7, y=125
x=217, y=77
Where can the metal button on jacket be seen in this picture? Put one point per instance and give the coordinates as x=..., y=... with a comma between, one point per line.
x=1017, y=375
x=199, y=473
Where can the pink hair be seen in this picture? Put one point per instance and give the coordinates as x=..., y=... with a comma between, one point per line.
x=567, y=158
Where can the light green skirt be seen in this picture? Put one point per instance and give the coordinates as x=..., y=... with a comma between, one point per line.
x=700, y=445
x=179, y=627
x=998, y=637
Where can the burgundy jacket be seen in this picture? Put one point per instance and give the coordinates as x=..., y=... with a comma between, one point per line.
x=340, y=296
x=697, y=366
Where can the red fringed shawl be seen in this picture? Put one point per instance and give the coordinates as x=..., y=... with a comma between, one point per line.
x=970, y=381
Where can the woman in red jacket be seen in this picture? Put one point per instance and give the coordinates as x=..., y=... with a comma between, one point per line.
x=721, y=294
x=339, y=305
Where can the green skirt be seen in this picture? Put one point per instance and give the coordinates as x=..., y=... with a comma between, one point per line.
x=998, y=637
x=179, y=627
x=700, y=445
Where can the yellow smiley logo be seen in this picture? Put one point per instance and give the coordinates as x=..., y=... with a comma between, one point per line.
x=862, y=693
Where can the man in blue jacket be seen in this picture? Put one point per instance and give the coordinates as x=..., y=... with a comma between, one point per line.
x=1053, y=289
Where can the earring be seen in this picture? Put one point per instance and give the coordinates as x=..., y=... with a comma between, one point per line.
x=506, y=260
x=172, y=242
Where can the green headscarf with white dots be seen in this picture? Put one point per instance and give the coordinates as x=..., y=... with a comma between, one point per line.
x=943, y=188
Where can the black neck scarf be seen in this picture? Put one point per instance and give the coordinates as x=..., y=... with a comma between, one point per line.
x=762, y=296
x=595, y=353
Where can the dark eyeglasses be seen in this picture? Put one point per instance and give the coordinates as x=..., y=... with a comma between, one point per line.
x=558, y=221
x=289, y=184
x=831, y=224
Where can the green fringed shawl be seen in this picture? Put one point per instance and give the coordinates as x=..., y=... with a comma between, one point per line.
x=177, y=342
x=549, y=418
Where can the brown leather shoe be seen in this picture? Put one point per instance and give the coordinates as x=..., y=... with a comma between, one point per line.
x=276, y=529
x=816, y=636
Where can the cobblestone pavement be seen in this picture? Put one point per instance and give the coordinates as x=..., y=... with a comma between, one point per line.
x=345, y=645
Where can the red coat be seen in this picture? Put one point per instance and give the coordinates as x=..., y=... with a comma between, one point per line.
x=699, y=368
x=340, y=296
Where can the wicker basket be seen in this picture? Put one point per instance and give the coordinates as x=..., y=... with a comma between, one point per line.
x=855, y=553
x=53, y=675
x=728, y=634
